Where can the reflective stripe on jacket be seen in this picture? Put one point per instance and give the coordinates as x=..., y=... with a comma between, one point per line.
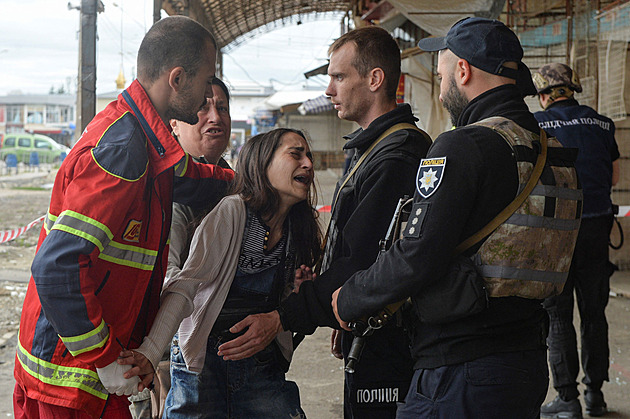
x=102, y=252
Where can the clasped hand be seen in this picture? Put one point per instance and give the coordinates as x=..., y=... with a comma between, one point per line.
x=137, y=368
x=112, y=377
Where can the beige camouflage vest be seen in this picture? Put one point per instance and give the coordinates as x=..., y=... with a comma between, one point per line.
x=529, y=255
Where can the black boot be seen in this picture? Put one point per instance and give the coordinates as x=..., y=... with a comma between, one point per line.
x=561, y=409
x=595, y=404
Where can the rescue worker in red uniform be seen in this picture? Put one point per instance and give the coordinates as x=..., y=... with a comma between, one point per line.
x=102, y=252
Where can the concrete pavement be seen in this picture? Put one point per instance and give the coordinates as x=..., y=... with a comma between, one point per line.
x=25, y=177
x=620, y=284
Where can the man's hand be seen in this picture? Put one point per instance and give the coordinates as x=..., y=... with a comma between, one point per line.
x=344, y=325
x=335, y=344
x=303, y=273
x=137, y=366
x=115, y=383
x=262, y=330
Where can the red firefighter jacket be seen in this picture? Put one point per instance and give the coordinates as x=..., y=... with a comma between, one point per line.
x=102, y=252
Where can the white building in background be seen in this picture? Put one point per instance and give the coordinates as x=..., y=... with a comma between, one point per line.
x=245, y=97
x=311, y=111
x=254, y=108
x=53, y=115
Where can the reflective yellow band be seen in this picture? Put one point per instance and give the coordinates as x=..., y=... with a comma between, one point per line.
x=93, y=339
x=181, y=166
x=58, y=375
x=85, y=227
x=128, y=255
x=49, y=221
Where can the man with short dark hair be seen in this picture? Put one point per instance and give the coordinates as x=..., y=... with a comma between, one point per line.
x=102, y=253
x=206, y=142
x=490, y=363
x=597, y=164
x=364, y=71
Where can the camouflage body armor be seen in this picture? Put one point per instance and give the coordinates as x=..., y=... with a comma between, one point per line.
x=529, y=255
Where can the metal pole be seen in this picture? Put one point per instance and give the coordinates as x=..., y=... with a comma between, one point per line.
x=157, y=7
x=596, y=43
x=219, y=64
x=86, y=99
x=569, y=11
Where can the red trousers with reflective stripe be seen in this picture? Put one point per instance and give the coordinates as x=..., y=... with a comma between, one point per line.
x=26, y=408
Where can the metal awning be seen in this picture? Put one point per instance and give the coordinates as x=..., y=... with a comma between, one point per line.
x=234, y=21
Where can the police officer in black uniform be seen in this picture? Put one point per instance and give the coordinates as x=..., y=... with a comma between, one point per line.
x=491, y=364
x=579, y=126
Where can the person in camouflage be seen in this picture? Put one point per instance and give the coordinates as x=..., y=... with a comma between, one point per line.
x=579, y=126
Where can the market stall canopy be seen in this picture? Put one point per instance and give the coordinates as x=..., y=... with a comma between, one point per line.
x=321, y=70
x=290, y=97
x=436, y=17
x=317, y=105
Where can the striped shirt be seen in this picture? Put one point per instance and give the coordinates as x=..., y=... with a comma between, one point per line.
x=255, y=256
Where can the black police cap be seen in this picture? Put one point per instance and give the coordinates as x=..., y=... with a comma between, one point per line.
x=486, y=44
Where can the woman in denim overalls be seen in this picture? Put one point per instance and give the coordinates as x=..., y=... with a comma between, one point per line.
x=242, y=261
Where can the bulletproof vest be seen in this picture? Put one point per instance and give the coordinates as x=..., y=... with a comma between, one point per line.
x=529, y=255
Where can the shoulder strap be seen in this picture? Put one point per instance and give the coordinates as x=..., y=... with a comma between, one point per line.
x=513, y=206
x=386, y=133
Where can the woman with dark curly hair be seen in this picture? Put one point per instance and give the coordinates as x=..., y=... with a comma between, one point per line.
x=242, y=261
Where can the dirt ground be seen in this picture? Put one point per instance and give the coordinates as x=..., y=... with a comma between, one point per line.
x=20, y=203
x=318, y=375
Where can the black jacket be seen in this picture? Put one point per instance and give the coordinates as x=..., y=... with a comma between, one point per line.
x=362, y=215
x=580, y=127
x=479, y=180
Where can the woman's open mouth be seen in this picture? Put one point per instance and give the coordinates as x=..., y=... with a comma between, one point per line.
x=306, y=180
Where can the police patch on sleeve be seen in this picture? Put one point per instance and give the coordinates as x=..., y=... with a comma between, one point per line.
x=416, y=219
x=430, y=175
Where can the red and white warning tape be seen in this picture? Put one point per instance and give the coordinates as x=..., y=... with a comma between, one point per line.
x=624, y=211
x=6, y=236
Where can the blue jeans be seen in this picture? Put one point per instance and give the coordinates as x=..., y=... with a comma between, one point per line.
x=503, y=385
x=250, y=388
